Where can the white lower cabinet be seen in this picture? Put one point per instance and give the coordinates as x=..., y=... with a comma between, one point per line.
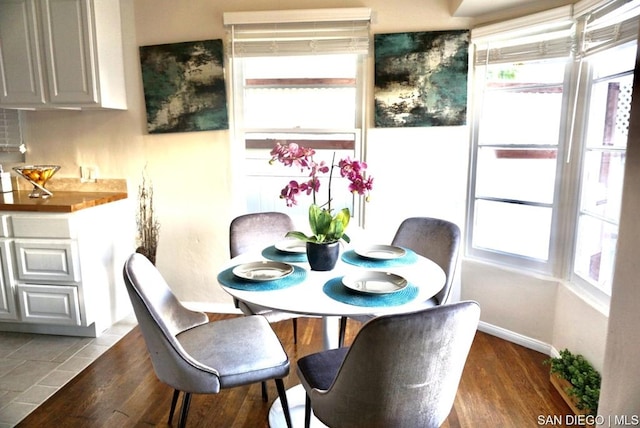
x=47, y=260
x=62, y=273
x=49, y=304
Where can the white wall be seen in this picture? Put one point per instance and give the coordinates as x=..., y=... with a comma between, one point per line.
x=420, y=171
x=579, y=325
x=511, y=300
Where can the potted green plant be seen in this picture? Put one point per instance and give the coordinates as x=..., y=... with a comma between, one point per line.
x=327, y=227
x=146, y=222
x=577, y=381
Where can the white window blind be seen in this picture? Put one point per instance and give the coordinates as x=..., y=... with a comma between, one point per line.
x=586, y=28
x=545, y=35
x=11, y=144
x=298, y=32
x=609, y=25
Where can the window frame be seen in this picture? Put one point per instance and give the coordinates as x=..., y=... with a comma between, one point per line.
x=553, y=265
x=247, y=148
x=579, y=152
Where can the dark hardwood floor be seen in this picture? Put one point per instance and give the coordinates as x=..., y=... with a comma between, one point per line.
x=503, y=385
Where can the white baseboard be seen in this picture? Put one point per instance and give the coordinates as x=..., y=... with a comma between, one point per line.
x=516, y=338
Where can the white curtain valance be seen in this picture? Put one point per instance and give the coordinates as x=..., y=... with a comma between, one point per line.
x=317, y=31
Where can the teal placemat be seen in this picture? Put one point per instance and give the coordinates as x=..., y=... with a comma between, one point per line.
x=354, y=259
x=337, y=291
x=228, y=279
x=272, y=253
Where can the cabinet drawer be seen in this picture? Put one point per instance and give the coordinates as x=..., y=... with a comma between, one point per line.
x=46, y=260
x=49, y=304
x=42, y=227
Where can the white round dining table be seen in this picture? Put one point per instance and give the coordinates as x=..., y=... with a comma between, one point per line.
x=310, y=295
x=324, y=294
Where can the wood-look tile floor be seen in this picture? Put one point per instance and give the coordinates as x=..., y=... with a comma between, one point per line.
x=503, y=385
x=34, y=366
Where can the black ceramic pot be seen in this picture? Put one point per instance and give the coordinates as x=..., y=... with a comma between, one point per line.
x=323, y=257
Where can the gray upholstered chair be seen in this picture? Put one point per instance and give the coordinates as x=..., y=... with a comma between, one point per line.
x=193, y=355
x=433, y=238
x=253, y=232
x=401, y=370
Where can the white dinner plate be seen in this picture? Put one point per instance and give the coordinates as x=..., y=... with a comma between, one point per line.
x=262, y=271
x=292, y=246
x=380, y=252
x=374, y=282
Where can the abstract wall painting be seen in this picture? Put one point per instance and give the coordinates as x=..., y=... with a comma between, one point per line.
x=421, y=78
x=184, y=88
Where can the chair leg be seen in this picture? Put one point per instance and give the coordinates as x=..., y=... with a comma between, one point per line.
x=186, y=401
x=342, y=332
x=282, y=393
x=174, y=401
x=265, y=394
x=307, y=411
x=295, y=330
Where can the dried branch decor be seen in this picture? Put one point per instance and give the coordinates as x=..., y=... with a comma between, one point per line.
x=148, y=226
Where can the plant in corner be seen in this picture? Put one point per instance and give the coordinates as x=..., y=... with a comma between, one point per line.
x=583, y=378
x=326, y=226
x=146, y=222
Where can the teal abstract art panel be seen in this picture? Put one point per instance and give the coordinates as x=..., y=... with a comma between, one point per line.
x=421, y=78
x=184, y=87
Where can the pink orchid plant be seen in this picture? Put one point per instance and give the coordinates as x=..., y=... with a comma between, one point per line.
x=325, y=226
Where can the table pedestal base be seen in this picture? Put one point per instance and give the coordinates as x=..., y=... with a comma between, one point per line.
x=296, y=397
x=331, y=331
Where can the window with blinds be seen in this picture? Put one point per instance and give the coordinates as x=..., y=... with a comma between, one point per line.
x=552, y=93
x=607, y=57
x=297, y=76
x=12, y=146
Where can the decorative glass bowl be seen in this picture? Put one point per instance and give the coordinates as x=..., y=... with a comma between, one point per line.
x=38, y=175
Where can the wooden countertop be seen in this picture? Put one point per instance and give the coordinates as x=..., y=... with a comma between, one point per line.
x=60, y=202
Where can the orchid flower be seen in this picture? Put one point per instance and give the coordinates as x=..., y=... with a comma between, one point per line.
x=325, y=226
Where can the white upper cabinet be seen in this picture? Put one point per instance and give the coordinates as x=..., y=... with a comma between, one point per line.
x=61, y=54
x=21, y=73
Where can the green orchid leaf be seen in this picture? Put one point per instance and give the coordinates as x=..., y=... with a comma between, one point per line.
x=343, y=218
x=319, y=220
x=313, y=218
x=324, y=226
x=299, y=235
x=324, y=222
